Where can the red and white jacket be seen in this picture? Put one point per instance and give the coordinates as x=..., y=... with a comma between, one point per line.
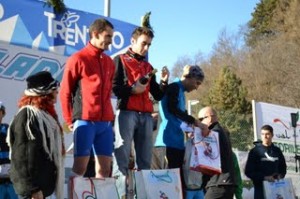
x=130, y=67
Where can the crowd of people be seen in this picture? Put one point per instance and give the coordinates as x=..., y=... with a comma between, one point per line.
x=35, y=135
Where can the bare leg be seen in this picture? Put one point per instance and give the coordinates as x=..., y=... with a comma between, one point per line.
x=80, y=164
x=103, y=166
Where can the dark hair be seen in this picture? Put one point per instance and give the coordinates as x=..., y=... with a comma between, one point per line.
x=193, y=71
x=142, y=31
x=99, y=25
x=267, y=128
x=2, y=108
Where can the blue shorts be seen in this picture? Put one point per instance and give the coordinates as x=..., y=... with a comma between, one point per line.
x=97, y=136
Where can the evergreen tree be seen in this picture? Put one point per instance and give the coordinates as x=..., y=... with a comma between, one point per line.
x=58, y=5
x=261, y=24
x=228, y=97
x=227, y=93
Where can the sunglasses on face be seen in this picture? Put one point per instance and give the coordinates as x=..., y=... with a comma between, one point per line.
x=202, y=118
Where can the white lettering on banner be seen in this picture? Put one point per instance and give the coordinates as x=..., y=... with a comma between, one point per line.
x=65, y=30
x=50, y=17
x=68, y=30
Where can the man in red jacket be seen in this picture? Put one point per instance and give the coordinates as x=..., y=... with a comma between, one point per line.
x=86, y=100
x=133, y=119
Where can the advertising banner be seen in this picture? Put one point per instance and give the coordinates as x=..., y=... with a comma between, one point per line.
x=33, y=38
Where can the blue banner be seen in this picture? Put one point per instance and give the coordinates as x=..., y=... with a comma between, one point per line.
x=33, y=24
x=33, y=38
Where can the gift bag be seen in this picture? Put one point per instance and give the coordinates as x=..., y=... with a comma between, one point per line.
x=139, y=185
x=192, y=179
x=205, y=155
x=282, y=189
x=93, y=188
x=163, y=184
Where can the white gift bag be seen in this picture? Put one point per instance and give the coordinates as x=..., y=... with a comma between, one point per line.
x=205, y=155
x=139, y=185
x=282, y=189
x=93, y=188
x=192, y=179
x=164, y=184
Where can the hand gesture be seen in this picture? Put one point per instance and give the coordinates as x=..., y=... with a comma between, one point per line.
x=165, y=74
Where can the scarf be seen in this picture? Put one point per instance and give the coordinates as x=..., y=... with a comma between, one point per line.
x=50, y=129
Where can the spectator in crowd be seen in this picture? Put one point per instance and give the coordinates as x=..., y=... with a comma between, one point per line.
x=86, y=101
x=173, y=112
x=219, y=185
x=135, y=122
x=6, y=187
x=35, y=138
x=265, y=162
x=238, y=193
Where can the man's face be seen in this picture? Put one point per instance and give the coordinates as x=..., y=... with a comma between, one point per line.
x=266, y=137
x=207, y=116
x=141, y=45
x=104, y=39
x=192, y=84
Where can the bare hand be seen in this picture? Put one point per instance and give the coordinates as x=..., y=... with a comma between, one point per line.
x=37, y=195
x=165, y=74
x=203, y=127
x=190, y=135
x=70, y=127
x=138, y=88
x=269, y=178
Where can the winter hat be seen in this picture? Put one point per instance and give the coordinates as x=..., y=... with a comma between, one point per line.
x=2, y=108
x=193, y=71
x=41, y=83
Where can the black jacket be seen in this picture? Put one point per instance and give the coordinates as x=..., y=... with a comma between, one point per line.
x=264, y=161
x=227, y=166
x=31, y=168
